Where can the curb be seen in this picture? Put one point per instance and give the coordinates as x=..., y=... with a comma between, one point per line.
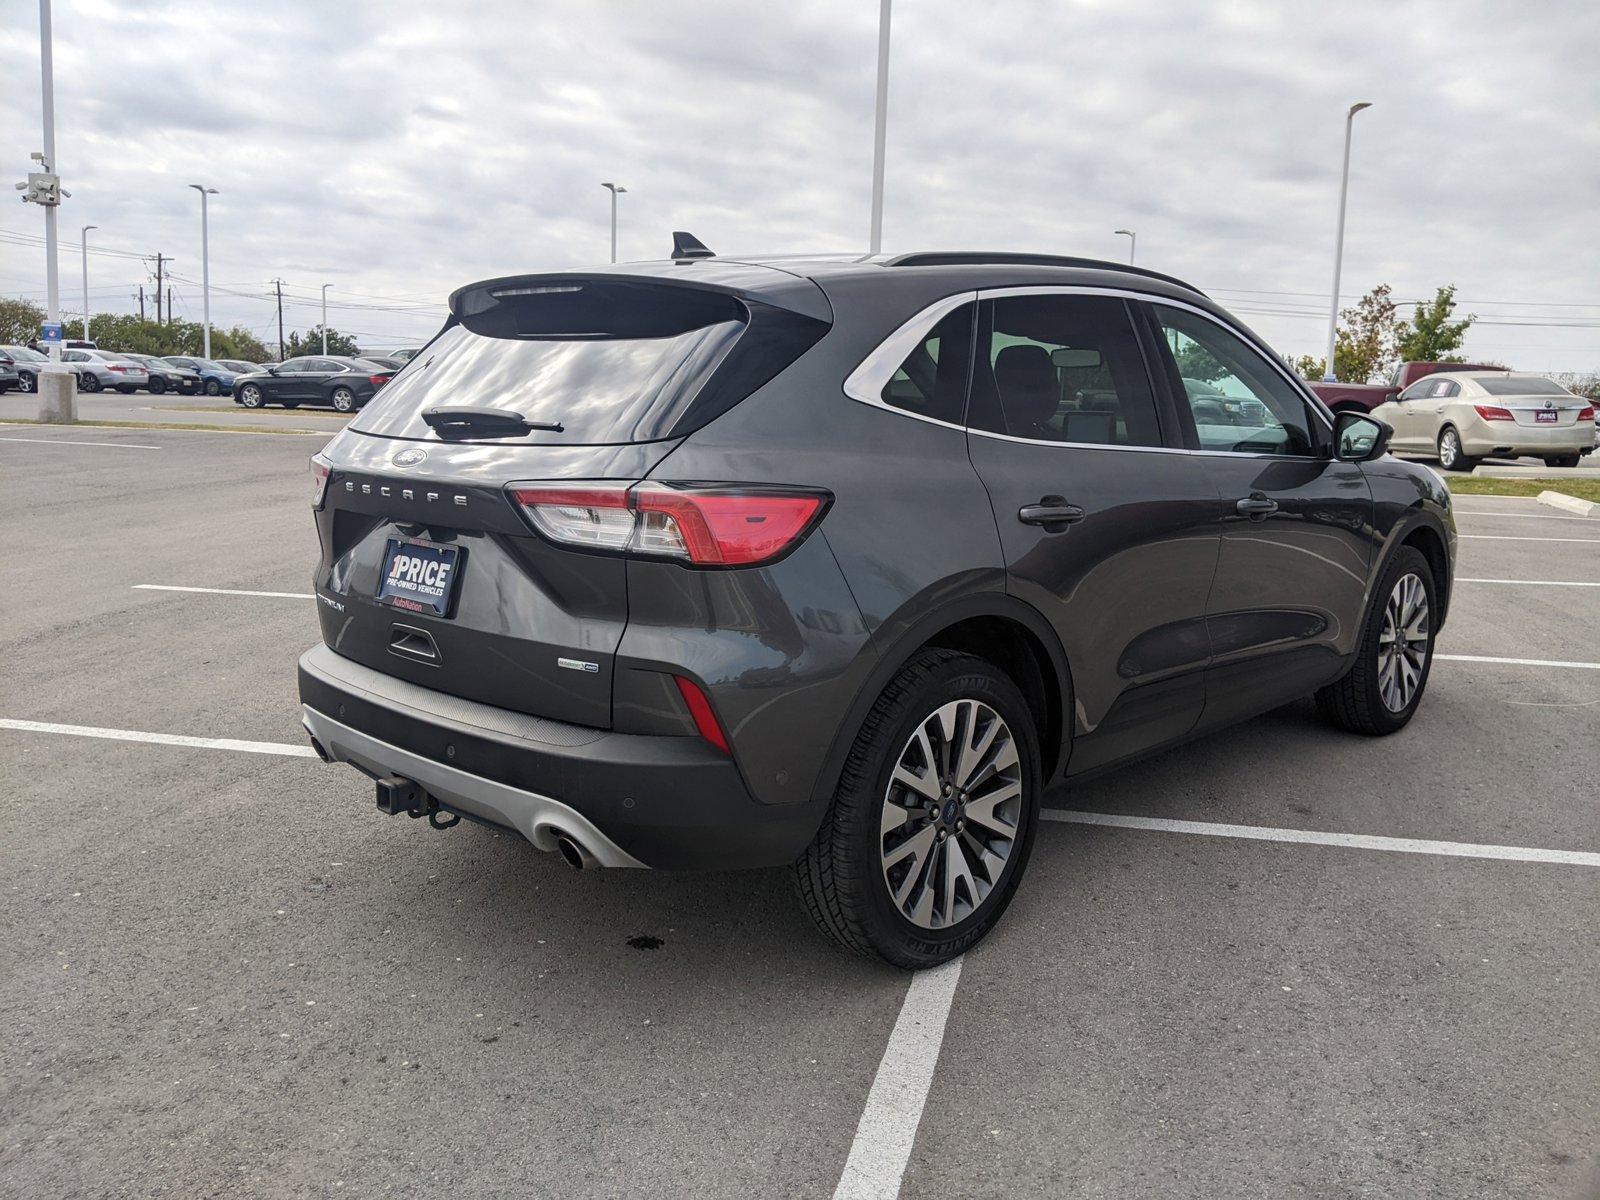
x=1572, y=504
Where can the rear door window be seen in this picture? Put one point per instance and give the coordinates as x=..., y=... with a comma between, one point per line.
x=1062, y=368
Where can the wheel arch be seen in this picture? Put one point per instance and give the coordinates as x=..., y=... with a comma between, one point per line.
x=993, y=626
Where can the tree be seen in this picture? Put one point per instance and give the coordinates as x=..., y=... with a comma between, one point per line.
x=1368, y=341
x=19, y=321
x=1310, y=368
x=311, y=343
x=1431, y=336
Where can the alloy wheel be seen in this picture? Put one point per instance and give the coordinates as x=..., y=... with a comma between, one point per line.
x=26, y=383
x=250, y=397
x=344, y=400
x=950, y=814
x=1449, y=449
x=1403, y=643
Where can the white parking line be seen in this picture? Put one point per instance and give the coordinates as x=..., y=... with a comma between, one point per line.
x=888, y=1125
x=64, y=442
x=160, y=739
x=1533, y=582
x=1517, y=516
x=1507, y=537
x=1519, y=662
x=167, y=587
x=1353, y=841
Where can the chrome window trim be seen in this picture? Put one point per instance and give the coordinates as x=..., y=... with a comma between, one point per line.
x=865, y=384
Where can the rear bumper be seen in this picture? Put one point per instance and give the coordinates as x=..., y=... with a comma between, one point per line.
x=631, y=800
x=1506, y=439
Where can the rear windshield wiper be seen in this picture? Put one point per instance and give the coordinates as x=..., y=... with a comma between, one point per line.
x=468, y=421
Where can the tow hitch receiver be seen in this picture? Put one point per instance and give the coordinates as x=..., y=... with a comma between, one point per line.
x=397, y=794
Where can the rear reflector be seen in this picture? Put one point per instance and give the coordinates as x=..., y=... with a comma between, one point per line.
x=1491, y=412
x=700, y=709
x=706, y=525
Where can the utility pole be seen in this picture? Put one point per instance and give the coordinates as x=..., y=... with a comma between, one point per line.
x=141, y=303
x=325, y=288
x=158, y=287
x=278, y=283
x=171, y=316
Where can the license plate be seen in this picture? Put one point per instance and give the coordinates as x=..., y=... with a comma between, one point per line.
x=419, y=576
x=1546, y=416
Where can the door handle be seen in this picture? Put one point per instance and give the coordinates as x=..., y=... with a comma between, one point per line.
x=1257, y=507
x=1052, y=512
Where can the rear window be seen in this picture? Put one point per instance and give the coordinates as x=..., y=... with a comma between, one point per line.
x=609, y=362
x=1522, y=385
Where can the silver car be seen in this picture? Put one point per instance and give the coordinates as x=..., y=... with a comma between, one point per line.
x=1462, y=416
x=100, y=369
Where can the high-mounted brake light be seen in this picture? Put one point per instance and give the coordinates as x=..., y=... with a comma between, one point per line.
x=1493, y=412
x=705, y=525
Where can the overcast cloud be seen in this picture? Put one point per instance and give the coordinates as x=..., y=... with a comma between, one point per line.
x=398, y=150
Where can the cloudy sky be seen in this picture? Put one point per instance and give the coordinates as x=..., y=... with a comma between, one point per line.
x=397, y=150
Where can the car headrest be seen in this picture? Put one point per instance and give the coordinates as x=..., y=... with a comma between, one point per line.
x=1026, y=379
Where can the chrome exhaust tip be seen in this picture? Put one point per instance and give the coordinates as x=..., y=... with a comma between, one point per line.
x=574, y=854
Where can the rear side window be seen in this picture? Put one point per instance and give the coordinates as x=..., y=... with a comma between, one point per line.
x=932, y=382
x=610, y=362
x=1062, y=368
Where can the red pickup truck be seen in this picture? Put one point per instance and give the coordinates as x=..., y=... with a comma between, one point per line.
x=1364, y=397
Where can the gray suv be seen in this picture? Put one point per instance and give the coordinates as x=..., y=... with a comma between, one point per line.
x=840, y=563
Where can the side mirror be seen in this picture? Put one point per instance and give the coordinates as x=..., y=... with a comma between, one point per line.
x=1358, y=437
x=272, y=370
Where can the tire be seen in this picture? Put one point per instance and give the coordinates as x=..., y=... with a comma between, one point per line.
x=344, y=400
x=845, y=878
x=158, y=387
x=88, y=383
x=251, y=396
x=127, y=391
x=1451, y=455
x=27, y=383
x=1562, y=460
x=1361, y=701
x=213, y=388
x=291, y=404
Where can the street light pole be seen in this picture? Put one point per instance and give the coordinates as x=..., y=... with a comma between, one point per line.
x=325, y=288
x=1133, y=243
x=85, y=236
x=205, y=262
x=880, y=127
x=615, y=190
x=1338, y=241
x=47, y=77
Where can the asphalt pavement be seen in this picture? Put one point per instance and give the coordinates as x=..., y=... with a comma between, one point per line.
x=227, y=975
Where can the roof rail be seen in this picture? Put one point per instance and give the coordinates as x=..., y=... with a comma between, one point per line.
x=962, y=258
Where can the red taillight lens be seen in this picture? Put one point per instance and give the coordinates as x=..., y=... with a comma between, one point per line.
x=707, y=526
x=1586, y=414
x=320, y=470
x=1492, y=412
x=379, y=380
x=700, y=709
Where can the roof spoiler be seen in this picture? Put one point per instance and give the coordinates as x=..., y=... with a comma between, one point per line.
x=686, y=247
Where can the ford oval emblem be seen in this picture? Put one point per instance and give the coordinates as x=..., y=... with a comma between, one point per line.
x=409, y=458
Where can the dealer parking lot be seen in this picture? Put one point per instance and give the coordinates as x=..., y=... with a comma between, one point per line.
x=229, y=975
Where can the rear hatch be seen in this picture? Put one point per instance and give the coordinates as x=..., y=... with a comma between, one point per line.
x=430, y=569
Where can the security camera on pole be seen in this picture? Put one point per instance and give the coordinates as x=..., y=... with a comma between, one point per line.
x=58, y=387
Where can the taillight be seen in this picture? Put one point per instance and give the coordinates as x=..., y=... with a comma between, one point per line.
x=320, y=470
x=1586, y=413
x=705, y=525
x=1491, y=412
x=379, y=380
